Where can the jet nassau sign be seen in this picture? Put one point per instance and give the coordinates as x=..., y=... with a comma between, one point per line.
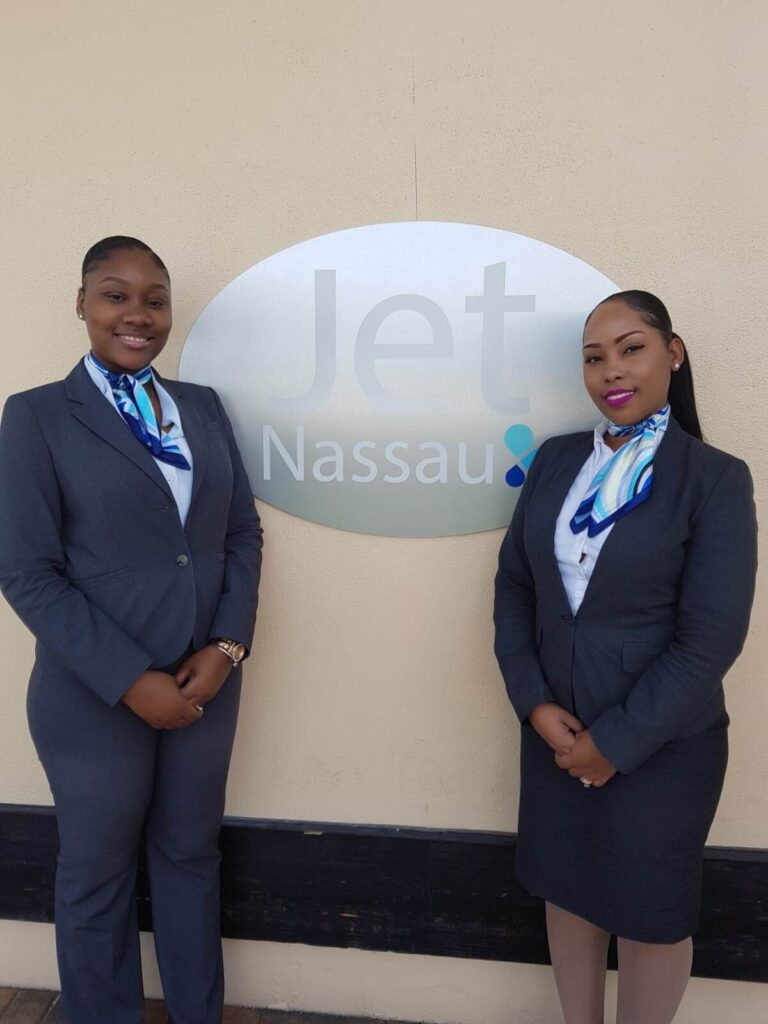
x=396, y=379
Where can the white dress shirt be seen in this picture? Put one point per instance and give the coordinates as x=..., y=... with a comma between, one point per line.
x=179, y=480
x=577, y=553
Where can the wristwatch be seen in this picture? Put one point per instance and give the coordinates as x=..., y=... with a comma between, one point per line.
x=233, y=650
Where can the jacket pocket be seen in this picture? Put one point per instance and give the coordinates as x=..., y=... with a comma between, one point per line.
x=636, y=657
x=104, y=579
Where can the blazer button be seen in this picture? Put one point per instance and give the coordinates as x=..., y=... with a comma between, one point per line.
x=568, y=618
x=182, y=560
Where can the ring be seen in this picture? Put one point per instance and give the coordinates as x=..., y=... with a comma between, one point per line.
x=199, y=708
x=585, y=783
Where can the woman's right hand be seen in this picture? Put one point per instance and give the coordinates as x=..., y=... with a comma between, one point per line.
x=556, y=726
x=156, y=698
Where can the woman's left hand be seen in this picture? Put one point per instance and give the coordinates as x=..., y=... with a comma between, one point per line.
x=585, y=762
x=203, y=674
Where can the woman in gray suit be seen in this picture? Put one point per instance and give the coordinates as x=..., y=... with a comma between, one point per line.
x=130, y=547
x=623, y=596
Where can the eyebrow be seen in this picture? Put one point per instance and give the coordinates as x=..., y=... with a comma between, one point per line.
x=616, y=341
x=121, y=280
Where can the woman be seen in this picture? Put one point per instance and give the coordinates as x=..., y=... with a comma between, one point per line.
x=130, y=547
x=623, y=595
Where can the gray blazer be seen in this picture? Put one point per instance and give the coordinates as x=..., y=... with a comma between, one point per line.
x=93, y=556
x=666, y=611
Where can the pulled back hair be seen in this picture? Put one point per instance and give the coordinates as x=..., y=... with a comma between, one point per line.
x=103, y=249
x=682, y=400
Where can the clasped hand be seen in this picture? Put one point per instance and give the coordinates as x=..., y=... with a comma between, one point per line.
x=575, y=751
x=174, y=701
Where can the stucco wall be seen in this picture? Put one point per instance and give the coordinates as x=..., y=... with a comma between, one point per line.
x=632, y=135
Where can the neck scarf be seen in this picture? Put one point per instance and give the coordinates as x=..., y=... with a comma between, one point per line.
x=134, y=405
x=626, y=480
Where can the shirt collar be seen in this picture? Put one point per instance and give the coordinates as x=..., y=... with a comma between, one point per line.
x=170, y=414
x=600, y=447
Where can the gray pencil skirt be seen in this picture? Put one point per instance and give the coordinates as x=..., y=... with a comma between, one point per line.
x=627, y=856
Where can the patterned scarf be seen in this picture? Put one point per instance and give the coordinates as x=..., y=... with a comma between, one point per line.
x=626, y=480
x=134, y=405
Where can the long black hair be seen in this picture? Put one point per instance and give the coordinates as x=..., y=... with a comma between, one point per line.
x=101, y=250
x=682, y=399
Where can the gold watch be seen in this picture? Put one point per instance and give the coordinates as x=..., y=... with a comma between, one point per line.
x=233, y=650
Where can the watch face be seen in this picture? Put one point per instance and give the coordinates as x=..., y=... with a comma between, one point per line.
x=238, y=652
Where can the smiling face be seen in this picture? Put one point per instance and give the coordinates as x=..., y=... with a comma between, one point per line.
x=627, y=363
x=126, y=304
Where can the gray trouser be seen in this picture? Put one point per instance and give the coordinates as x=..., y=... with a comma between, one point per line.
x=114, y=779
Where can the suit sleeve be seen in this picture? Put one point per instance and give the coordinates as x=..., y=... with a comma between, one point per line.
x=514, y=614
x=235, y=617
x=83, y=640
x=716, y=592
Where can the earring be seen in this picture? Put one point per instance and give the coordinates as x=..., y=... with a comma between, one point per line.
x=676, y=366
x=83, y=318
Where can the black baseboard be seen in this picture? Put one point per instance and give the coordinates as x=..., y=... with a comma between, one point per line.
x=403, y=890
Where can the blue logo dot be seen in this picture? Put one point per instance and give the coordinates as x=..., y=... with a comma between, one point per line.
x=515, y=477
x=518, y=438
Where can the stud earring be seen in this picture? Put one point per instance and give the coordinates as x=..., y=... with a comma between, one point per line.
x=81, y=316
x=676, y=366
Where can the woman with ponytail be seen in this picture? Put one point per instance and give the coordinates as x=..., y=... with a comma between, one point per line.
x=623, y=597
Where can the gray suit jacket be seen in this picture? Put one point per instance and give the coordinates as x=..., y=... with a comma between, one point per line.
x=93, y=556
x=666, y=611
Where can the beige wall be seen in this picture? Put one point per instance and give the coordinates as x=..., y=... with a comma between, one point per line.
x=632, y=135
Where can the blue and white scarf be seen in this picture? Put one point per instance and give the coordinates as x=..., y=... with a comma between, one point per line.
x=134, y=405
x=626, y=480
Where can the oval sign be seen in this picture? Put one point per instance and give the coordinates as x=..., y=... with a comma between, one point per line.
x=395, y=379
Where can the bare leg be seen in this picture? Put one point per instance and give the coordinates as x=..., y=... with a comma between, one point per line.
x=652, y=980
x=579, y=951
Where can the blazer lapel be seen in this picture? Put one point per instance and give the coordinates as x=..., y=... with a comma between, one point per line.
x=89, y=406
x=194, y=431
